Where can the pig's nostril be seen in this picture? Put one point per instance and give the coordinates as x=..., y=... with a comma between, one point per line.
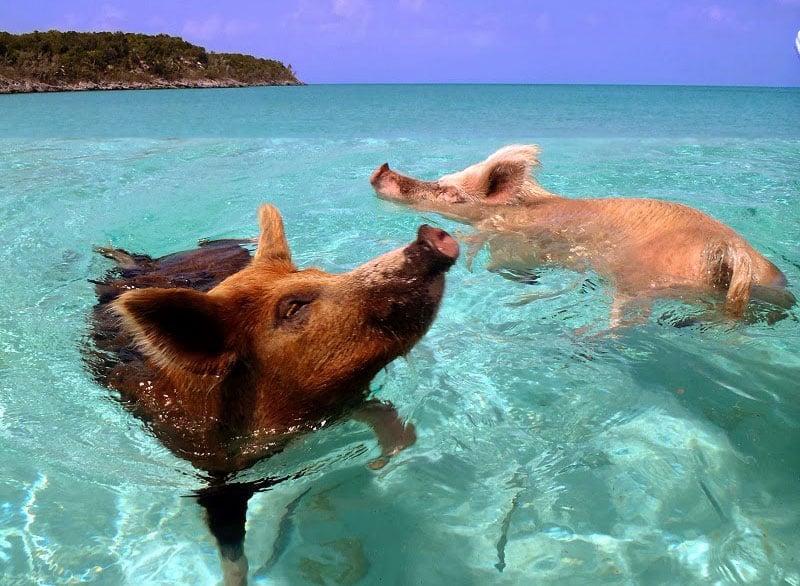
x=439, y=240
x=378, y=172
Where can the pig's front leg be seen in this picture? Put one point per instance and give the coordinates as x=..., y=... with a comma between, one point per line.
x=392, y=432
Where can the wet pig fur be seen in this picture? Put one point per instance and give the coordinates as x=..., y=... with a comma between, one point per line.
x=228, y=356
x=644, y=247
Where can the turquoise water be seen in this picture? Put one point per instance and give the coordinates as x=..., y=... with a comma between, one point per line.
x=545, y=455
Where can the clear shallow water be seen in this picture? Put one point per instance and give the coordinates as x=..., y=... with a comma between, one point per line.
x=654, y=455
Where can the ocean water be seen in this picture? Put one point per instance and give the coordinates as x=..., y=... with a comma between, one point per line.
x=549, y=451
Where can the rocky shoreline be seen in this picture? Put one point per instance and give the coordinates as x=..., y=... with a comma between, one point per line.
x=27, y=86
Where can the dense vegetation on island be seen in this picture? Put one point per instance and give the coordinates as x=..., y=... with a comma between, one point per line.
x=56, y=61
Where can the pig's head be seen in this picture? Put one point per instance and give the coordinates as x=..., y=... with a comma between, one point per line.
x=297, y=342
x=502, y=179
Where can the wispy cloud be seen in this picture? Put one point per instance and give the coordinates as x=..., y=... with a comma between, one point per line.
x=205, y=29
x=712, y=14
x=411, y=5
x=111, y=12
x=718, y=14
x=350, y=9
x=109, y=17
x=215, y=27
x=349, y=17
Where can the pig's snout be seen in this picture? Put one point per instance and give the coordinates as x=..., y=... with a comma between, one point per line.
x=391, y=185
x=443, y=245
x=378, y=173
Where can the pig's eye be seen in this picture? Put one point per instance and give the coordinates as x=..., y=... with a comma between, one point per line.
x=294, y=309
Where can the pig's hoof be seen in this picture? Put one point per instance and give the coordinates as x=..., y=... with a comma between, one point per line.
x=378, y=463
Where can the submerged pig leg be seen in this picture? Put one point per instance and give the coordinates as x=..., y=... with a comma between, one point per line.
x=392, y=432
x=226, y=514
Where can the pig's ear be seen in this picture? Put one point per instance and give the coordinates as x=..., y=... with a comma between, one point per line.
x=507, y=171
x=524, y=154
x=504, y=181
x=272, y=244
x=177, y=328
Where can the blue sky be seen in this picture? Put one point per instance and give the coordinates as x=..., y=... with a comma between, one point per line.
x=722, y=42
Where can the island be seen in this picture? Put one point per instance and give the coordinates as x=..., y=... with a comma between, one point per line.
x=56, y=61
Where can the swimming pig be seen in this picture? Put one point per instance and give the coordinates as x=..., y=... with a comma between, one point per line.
x=227, y=357
x=644, y=247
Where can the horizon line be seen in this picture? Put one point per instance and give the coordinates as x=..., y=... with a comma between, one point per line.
x=560, y=83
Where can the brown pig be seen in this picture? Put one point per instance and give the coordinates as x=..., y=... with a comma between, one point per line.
x=228, y=357
x=644, y=247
